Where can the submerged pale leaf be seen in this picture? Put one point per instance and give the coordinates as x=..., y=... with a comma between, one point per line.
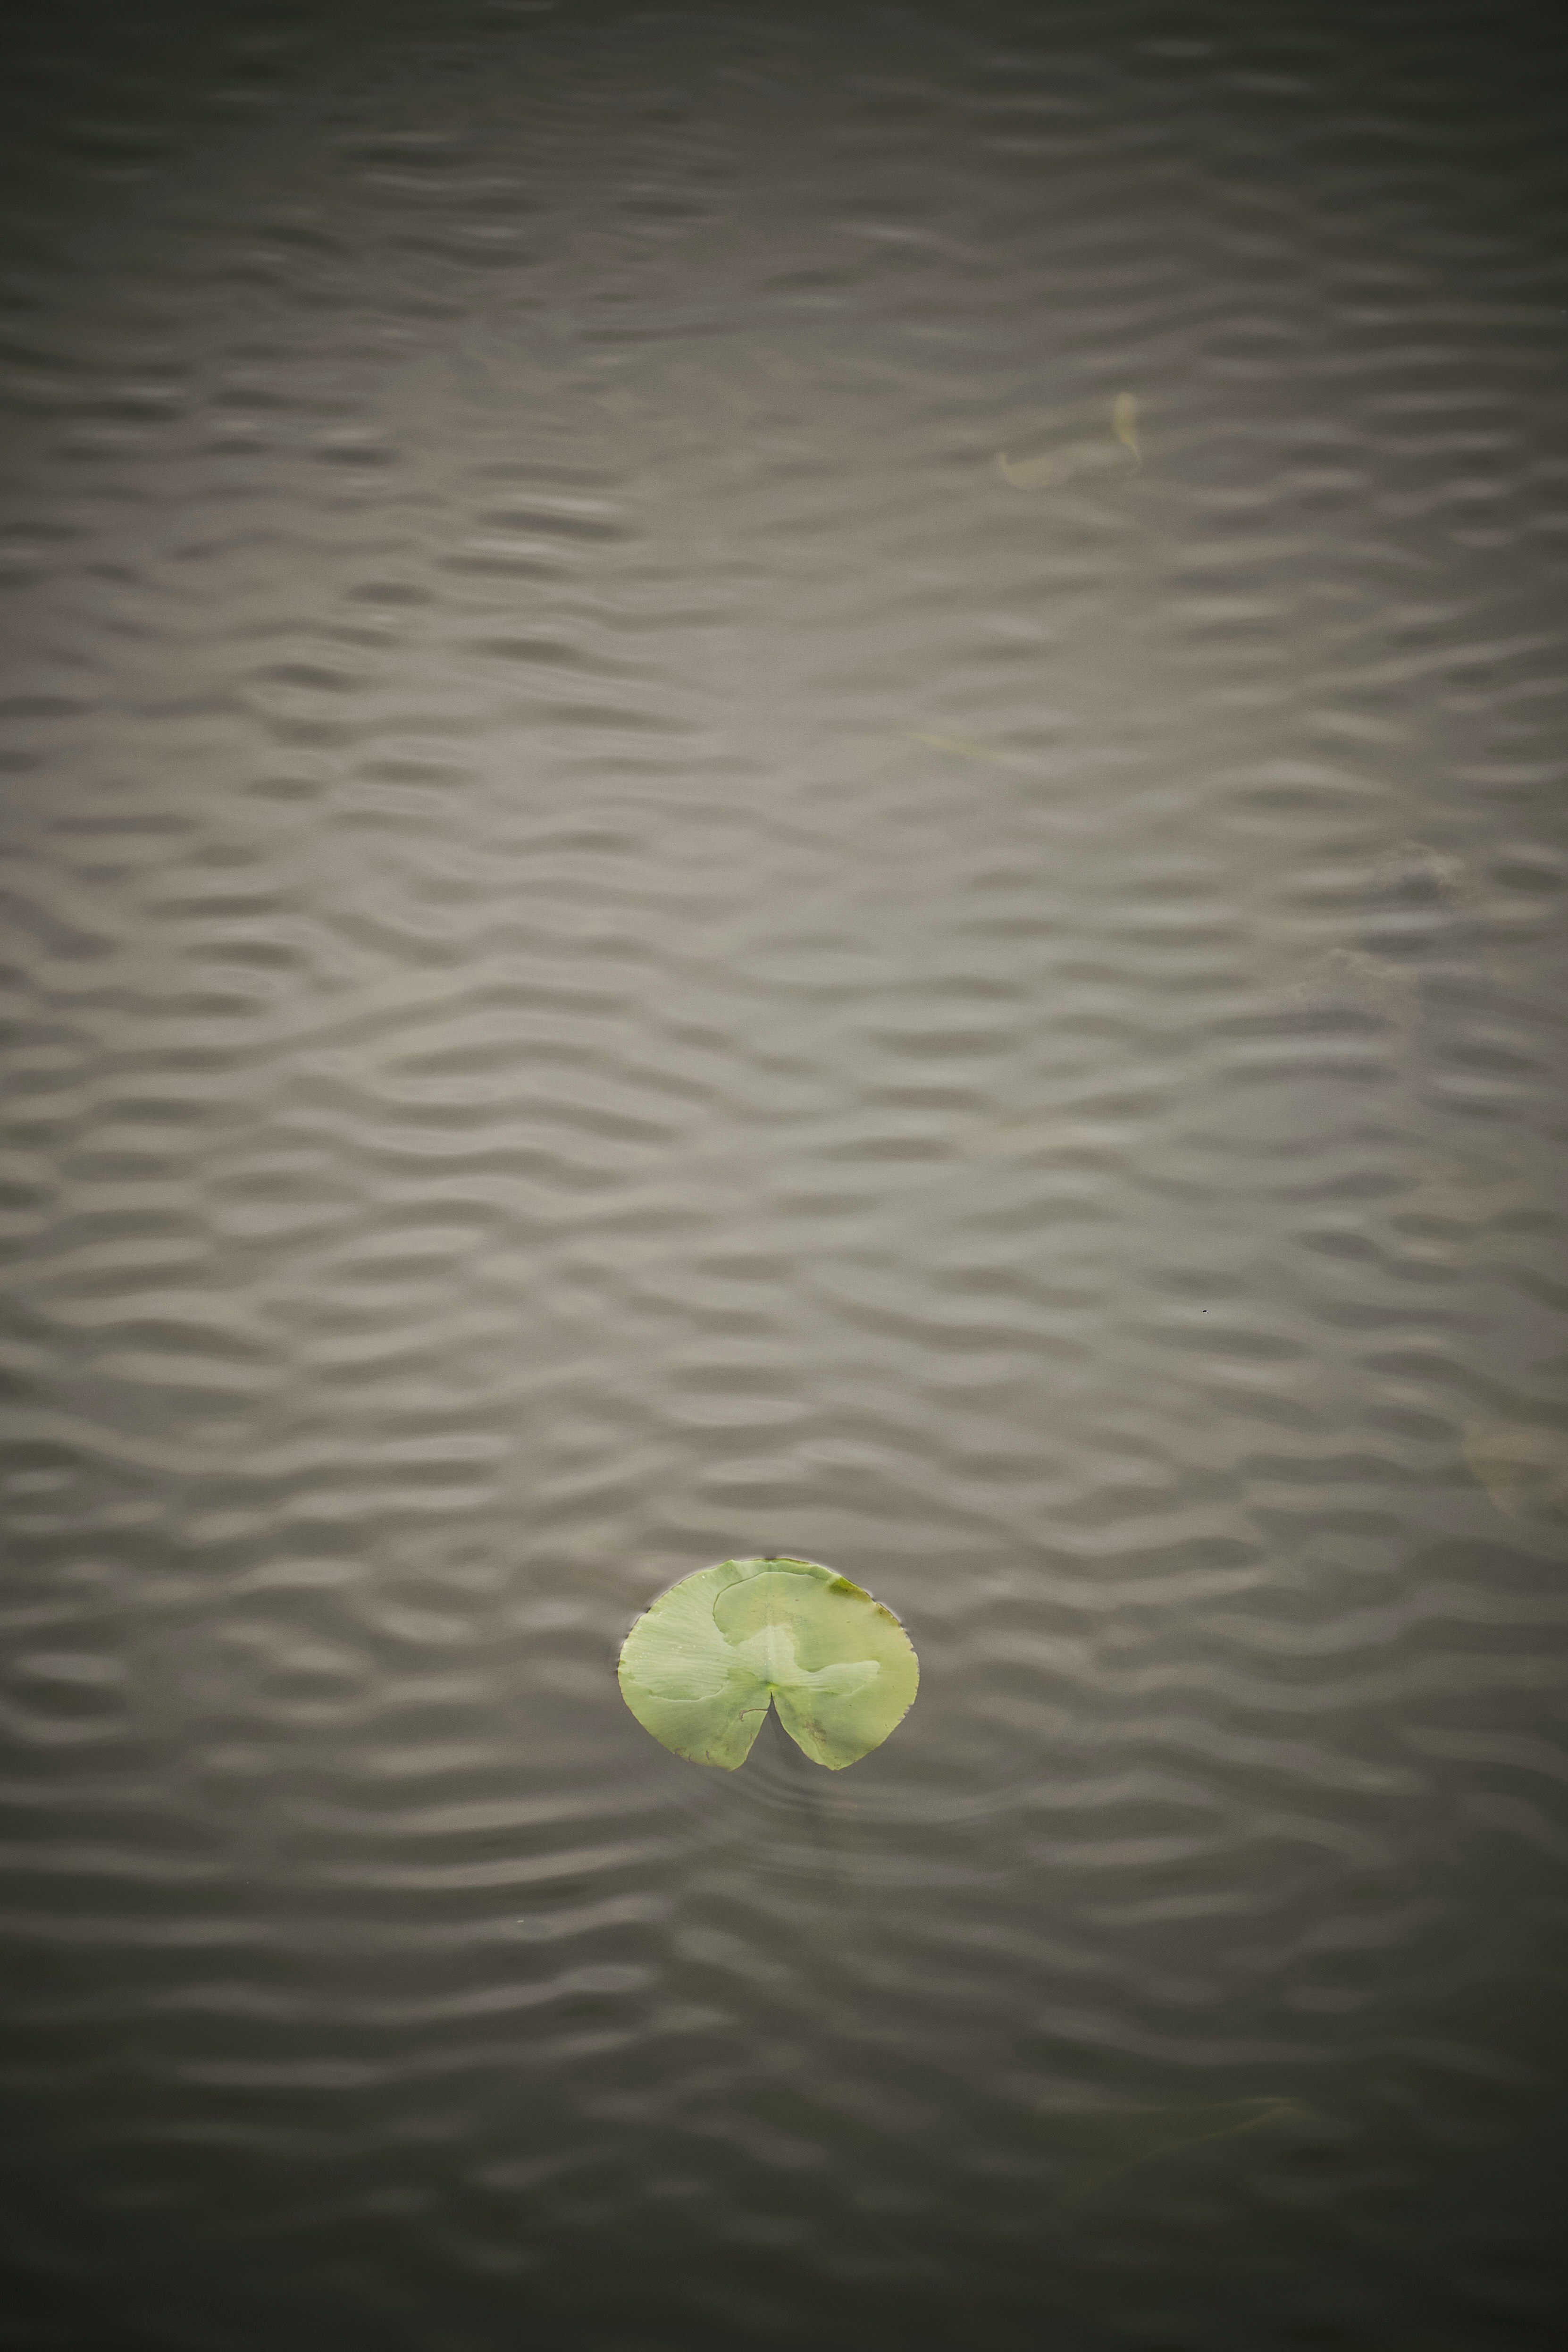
x=701, y=1667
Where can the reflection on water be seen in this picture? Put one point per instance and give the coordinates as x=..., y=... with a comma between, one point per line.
x=616, y=956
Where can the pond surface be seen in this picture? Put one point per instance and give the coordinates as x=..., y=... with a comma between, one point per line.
x=785, y=782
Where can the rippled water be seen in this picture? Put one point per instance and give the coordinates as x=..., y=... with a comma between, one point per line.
x=621, y=949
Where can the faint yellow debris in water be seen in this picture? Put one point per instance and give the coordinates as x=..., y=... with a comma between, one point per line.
x=1036, y=473
x=1124, y=423
x=960, y=744
x=1522, y=1466
x=1178, y=2129
x=1121, y=455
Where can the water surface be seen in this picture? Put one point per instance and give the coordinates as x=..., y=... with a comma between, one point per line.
x=622, y=948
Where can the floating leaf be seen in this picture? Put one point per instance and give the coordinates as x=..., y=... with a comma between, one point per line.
x=700, y=1668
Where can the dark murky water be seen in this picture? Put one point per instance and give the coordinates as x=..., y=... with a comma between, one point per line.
x=622, y=948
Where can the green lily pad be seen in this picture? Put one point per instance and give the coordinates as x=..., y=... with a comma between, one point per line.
x=700, y=1667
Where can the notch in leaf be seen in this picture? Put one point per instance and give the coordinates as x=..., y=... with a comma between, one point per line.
x=701, y=1666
